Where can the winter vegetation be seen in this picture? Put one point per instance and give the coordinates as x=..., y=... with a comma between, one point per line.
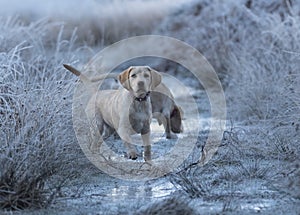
x=254, y=46
x=37, y=139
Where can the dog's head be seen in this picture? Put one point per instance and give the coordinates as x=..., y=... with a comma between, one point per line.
x=176, y=119
x=140, y=80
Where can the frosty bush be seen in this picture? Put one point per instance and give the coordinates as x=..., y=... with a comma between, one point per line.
x=254, y=47
x=98, y=22
x=173, y=205
x=37, y=150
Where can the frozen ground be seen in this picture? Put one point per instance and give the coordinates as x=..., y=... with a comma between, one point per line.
x=254, y=47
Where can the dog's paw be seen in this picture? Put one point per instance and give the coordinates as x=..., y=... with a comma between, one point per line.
x=132, y=155
x=171, y=136
x=147, y=158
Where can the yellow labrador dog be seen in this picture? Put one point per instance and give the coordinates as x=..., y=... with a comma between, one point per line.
x=164, y=108
x=127, y=110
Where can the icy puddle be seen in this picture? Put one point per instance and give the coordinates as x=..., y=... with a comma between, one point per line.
x=148, y=191
x=103, y=194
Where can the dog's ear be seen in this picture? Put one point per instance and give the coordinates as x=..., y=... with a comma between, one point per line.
x=155, y=78
x=124, y=78
x=176, y=119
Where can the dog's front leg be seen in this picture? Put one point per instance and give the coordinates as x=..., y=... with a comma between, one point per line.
x=147, y=146
x=131, y=150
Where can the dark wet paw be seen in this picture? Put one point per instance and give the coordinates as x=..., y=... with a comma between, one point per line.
x=132, y=158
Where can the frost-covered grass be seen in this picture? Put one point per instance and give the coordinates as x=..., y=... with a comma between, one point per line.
x=248, y=168
x=98, y=22
x=173, y=205
x=253, y=46
x=38, y=153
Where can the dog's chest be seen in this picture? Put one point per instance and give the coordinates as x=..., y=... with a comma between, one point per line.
x=140, y=117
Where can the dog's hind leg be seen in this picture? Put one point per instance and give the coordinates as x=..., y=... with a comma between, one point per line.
x=107, y=131
x=167, y=125
x=96, y=124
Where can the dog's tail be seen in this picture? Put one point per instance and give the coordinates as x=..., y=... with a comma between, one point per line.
x=72, y=69
x=105, y=76
x=85, y=79
x=82, y=77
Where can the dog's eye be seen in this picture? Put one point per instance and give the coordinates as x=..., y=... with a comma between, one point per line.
x=133, y=76
x=146, y=76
